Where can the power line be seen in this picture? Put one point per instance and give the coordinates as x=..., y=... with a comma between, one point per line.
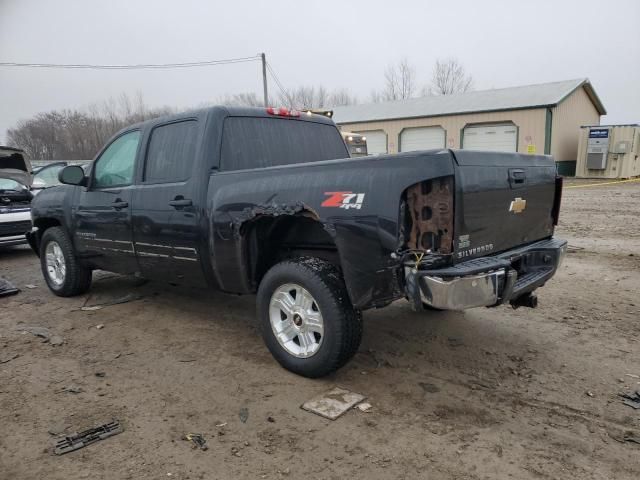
x=278, y=84
x=141, y=66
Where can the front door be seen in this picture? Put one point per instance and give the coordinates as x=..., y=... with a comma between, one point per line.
x=103, y=215
x=166, y=206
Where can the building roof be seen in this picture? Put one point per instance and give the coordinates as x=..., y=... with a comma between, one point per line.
x=513, y=98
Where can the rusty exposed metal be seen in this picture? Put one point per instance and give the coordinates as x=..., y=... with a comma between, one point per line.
x=430, y=206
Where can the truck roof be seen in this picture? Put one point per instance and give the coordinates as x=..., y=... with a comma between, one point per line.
x=227, y=111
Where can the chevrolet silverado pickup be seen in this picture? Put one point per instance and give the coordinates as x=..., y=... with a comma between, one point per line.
x=268, y=202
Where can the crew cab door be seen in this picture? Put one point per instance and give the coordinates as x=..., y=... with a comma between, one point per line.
x=166, y=210
x=103, y=232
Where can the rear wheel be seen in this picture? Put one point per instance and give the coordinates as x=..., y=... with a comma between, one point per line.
x=306, y=317
x=64, y=275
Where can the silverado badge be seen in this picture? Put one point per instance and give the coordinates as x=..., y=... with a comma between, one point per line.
x=518, y=205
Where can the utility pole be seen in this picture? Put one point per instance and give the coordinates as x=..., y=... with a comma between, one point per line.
x=264, y=79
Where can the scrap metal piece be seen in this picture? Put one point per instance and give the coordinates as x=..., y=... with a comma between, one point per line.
x=7, y=288
x=631, y=399
x=334, y=403
x=198, y=440
x=75, y=441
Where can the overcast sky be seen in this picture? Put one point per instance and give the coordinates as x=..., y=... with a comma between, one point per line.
x=331, y=43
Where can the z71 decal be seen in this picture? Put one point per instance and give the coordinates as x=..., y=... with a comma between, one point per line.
x=344, y=200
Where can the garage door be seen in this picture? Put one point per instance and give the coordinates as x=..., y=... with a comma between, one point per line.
x=423, y=138
x=499, y=138
x=376, y=141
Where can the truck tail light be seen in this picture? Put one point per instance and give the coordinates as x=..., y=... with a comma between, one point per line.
x=428, y=210
x=555, y=212
x=283, y=112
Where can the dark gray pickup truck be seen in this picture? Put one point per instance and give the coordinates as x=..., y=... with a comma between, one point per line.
x=268, y=201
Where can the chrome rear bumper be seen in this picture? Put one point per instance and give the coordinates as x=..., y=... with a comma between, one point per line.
x=486, y=281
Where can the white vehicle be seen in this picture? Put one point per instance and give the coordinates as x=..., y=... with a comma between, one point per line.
x=15, y=196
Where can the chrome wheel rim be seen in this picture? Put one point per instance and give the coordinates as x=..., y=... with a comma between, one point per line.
x=56, y=266
x=296, y=320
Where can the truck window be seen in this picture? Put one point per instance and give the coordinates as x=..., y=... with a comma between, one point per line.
x=114, y=168
x=171, y=152
x=257, y=142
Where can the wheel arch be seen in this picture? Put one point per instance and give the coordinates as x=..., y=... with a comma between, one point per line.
x=42, y=224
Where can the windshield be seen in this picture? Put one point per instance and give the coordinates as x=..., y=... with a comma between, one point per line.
x=7, y=184
x=48, y=176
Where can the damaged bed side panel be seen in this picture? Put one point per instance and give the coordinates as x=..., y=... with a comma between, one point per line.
x=357, y=202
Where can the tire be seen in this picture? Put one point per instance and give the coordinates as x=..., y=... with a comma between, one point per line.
x=321, y=298
x=65, y=277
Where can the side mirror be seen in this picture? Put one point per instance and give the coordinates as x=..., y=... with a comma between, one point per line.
x=72, y=175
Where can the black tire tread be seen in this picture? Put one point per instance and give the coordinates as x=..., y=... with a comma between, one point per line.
x=78, y=277
x=330, y=280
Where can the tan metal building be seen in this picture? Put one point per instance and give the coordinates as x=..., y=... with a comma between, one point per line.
x=609, y=151
x=543, y=118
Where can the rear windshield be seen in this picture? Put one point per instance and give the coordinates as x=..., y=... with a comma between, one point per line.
x=257, y=142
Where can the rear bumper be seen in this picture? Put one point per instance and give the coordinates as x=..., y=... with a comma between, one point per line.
x=486, y=281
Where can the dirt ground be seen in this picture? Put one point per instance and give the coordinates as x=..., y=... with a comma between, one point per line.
x=484, y=394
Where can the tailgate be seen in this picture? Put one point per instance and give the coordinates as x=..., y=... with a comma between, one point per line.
x=503, y=200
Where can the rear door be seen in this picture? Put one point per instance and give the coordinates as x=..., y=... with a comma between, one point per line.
x=502, y=201
x=166, y=208
x=103, y=213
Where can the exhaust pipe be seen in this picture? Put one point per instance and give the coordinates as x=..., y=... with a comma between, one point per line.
x=527, y=300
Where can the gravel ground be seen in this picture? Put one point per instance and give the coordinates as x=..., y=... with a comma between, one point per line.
x=484, y=394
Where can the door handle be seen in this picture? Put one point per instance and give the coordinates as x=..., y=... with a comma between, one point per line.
x=118, y=204
x=181, y=202
x=517, y=177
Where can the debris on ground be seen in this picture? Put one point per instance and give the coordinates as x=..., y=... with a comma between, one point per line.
x=7, y=360
x=100, y=327
x=124, y=299
x=333, y=403
x=45, y=334
x=41, y=332
x=632, y=375
x=429, y=387
x=30, y=286
x=197, y=439
x=7, y=288
x=75, y=441
x=364, y=407
x=244, y=414
x=631, y=399
x=70, y=389
x=455, y=342
x=633, y=438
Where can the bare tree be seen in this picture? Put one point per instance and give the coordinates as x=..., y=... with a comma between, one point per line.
x=78, y=134
x=308, y=97
x=247, y=99
x=399, y=81
x=341, y=96
x=449, y=77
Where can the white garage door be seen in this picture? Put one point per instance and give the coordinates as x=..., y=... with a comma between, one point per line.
x=376, y=141
x=499, y=138
x=422, y=138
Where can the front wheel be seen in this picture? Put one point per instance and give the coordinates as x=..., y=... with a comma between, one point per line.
x=306, y=317
x=62, y=272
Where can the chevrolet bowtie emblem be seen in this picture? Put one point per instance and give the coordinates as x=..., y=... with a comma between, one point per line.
x=518, y=205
